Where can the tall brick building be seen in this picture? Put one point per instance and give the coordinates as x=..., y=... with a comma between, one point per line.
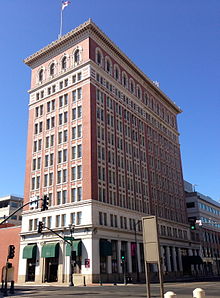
x=103, y=145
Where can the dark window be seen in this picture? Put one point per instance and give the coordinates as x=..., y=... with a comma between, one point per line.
x=41, y=75
x=190, y=205
x=52, y=68
x=76, y=56
x=64, y=63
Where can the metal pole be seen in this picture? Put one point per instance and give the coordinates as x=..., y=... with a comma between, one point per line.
x=136, y=255
x=18, y=210
x=6, y=277
x=71, y=266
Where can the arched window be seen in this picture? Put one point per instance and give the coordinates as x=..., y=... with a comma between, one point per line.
x=124, y=79
x=99, y=57
x=41, y=72
x=52, y=69
x=64, y=64
x=116, y=73
x=131, y=86
x=138, y=92
x=146, y=98
x=76, y=56
x=108, y=65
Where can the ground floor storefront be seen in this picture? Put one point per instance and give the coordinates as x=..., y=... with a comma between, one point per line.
x=99, y=257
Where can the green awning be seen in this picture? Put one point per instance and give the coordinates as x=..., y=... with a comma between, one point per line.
x=50, y=250
x=29, y=251
x=77, y=246
x=105, y=248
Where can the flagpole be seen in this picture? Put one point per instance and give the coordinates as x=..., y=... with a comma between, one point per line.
x=61, y=22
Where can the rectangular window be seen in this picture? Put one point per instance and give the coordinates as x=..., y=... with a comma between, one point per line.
x=51, y=159
x=46, y=161
x=73, y=218
x=79, y=112
x=51, y=140
x=74, y=114
x=57, y=221
x=45, y=179
x=60, y=119
x=38, y=162
x=38, y=182
x=60, y=137
x=79, y=172
x=59, y=158
x=65, y=117
x=35, y=146
x=74, y=152
x=48, y=106
x=64, y=196
x=105, y=219
x=30, y=224
x=79, y=151
x=73, y=195
x=73, y=133
x=64, y=176
x=79, y=193
x=50, y=178
x=73, y=173
x=58, y=197
x=100, y=218
x=34, y=164
x=35, y=223
x=33, y=183
x=66, y=97
x=74, y=95
x=65, y=135
x=79, y=131
x=116, y=221
x=64, y=155
x=58, y=177
x=79, y=93
x=47, y=142
x=111, y=220
x=79, y=218
x=63, y=220
x=49, y=222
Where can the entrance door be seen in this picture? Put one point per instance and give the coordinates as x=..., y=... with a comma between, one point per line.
x=31, y=264
x=51, y=269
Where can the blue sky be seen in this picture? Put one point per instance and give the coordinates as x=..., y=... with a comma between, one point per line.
x=174, y=42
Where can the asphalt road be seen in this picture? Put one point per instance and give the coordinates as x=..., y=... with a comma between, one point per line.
x=182, y=290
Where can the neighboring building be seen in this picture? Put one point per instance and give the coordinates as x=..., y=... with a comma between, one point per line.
x=8, y=205
x=8, y=236
x=103, y=145
x=207, y=210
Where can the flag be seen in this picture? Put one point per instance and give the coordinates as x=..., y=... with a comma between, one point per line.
x=65, y=4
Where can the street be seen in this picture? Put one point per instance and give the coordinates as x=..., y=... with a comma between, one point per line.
x=182, y=290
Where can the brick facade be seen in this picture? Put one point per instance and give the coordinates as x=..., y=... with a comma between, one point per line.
x=9, y=235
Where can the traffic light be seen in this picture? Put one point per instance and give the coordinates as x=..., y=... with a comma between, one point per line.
x=45, y=203
x=192, y=222
x=11, y=251
x=122, y=255
x=40, y=226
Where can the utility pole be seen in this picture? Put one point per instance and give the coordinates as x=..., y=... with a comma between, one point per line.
x=136, y=255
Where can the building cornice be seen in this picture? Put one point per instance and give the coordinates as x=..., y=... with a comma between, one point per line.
x=93, y=28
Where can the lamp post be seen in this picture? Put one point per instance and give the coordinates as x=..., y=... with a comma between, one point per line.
x=136, y=256
x=71, y=249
